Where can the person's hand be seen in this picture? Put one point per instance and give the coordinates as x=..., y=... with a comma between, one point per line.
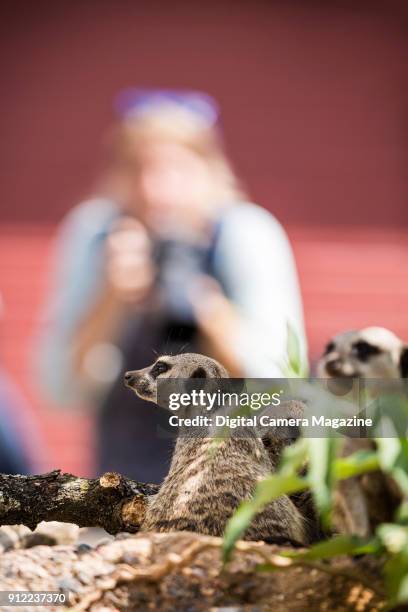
x=219, y=322
x=130, y=271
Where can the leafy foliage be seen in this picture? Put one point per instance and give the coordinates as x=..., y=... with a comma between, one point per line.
x=296, y=365
x=390, y=539
x=325, y=468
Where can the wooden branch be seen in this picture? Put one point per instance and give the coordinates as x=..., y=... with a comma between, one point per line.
x=112, y=501
x=184, y=571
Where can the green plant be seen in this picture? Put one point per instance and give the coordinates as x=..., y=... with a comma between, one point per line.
x=390, y=540
x=325, y=468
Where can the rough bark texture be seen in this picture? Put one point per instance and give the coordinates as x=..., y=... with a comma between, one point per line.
x=112, y=502
x=183, y=571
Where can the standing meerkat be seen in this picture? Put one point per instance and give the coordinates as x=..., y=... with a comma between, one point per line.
x=207, y=483
x=361, y=503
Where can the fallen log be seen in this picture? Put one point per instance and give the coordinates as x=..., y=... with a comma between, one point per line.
x=112, y=501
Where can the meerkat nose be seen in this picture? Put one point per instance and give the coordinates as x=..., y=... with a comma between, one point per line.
x=129, y=378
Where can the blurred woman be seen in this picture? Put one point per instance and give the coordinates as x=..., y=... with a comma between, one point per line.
x=170, y=257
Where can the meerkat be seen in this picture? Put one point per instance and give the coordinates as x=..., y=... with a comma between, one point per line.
x=207, y=482
x=371, y=353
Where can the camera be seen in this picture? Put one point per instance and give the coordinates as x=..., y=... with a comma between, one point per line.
x=179, y=265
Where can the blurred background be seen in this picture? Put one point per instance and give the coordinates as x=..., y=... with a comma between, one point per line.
x=314, y=102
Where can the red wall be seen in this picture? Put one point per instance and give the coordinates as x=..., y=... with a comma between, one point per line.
x=314, y=97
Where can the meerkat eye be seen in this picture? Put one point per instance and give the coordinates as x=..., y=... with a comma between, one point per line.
x=160, y=367
x=329, y=348
x=199, y=373
x=404, y=362
x=365, y=350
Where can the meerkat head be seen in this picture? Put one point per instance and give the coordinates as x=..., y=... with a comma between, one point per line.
x=372, y=352
x=187, y=365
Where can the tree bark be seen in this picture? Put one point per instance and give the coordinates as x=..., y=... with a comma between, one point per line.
x=112, y=502
x=183, y=571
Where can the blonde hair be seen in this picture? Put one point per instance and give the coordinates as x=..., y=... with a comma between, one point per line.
x=176, y=125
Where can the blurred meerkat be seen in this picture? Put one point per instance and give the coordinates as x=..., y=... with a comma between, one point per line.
x=370, y=353
x=207, y=483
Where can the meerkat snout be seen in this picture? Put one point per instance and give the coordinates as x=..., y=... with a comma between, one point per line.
x=129, y=378
x=143, y=382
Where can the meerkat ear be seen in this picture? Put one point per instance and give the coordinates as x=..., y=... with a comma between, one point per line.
x=403, y=362
x=199, y=373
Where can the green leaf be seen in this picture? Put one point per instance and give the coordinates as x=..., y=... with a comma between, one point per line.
x=276, y=485
x=393, y=457
x=389, y=450
x=394, y=537
x=293, y=457
x=358, y=463
x=296, y=364
x=266, y=491
x=322, y=453
x=396, y=578
x=338, y=545
x=402, y=513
